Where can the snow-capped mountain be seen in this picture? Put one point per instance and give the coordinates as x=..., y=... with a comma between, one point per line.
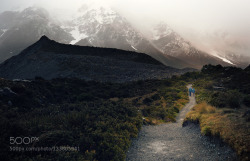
x=99, y=26
x=20, y=29
x=237, y=59
x=232, y=57
x=103, y=27
x=171, y=43
x=226, y=46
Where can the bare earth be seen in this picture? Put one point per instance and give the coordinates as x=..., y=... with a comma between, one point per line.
x=173, y=142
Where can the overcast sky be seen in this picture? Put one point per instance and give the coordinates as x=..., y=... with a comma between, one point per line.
x=208, y=24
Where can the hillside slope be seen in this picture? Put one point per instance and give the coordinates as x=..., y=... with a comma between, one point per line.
x=172, y=44
x=49, y=59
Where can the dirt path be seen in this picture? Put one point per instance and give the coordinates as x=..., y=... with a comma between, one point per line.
x=173, y=142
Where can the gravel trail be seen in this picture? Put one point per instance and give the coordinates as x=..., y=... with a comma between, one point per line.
x=171, y=141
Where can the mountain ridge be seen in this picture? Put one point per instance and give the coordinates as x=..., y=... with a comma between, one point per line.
x=166, y=45
x=171, y=43
x=99, y=27
x=48, y=59
x=103, y=27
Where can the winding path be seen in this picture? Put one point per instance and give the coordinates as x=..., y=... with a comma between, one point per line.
x=171, y=141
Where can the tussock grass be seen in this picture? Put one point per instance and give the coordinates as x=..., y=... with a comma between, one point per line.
x=231, y=127
x=161, y=105
x=180, y=103
x=198, y=110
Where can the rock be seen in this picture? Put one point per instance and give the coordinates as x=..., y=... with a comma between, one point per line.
x=6, y=91
x=247, y=113
x=21, y=80
x=10, y=103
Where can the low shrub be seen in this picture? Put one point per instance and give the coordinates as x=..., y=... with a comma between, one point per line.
x=231, y=98
x=246, y=100
x=206, y=130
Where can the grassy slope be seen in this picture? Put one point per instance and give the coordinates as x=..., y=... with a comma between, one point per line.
x=99, y=118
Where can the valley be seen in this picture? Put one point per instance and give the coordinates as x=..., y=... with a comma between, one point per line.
x=85, y=80
x=102, y=118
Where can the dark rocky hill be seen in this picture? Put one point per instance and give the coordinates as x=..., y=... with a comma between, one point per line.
x=18, y=30
x=49, y=59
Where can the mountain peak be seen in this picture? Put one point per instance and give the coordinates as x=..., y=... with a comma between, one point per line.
x=35, y=12
x=50, y=59
x=44, y=38
x=101, y=14
x=247, y=68
x=44, y=41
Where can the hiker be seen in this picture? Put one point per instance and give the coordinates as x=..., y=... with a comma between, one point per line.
x=193, y=91
x=190, y=91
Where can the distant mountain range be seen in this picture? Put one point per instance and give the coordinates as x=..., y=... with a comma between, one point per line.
x=98, y=26
x=171, y=43
x=21, y=29
x=102, y=27
x=49, y=59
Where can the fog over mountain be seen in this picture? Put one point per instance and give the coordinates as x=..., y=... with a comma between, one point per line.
x=220, y=28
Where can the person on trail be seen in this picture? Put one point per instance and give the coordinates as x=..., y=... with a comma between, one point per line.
x=193, y=91
x=190, y=91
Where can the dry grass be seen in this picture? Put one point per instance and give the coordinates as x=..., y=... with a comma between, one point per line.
x=229, y=125
x=180, y=103
x=153, y=121
x=158, y=104
x=198, y=110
